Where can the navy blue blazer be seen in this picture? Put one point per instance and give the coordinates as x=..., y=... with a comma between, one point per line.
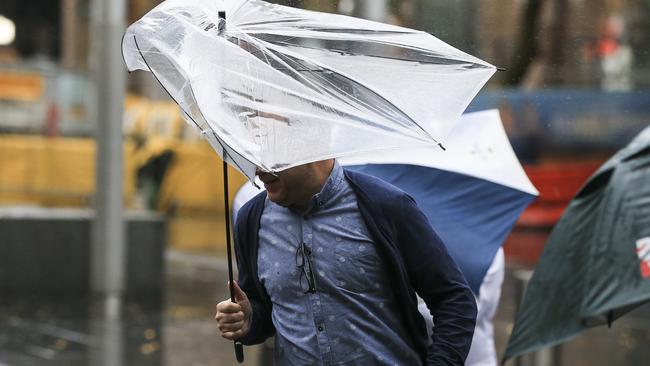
x=415, y=257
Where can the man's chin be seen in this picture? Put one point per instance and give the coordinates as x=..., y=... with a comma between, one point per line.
x=277, y=198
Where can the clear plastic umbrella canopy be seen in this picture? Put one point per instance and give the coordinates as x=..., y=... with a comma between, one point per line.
x=275, y=87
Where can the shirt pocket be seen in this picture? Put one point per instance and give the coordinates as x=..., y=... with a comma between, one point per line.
x=357, y=267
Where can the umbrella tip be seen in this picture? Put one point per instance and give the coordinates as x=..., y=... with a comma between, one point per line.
x=222, y=21
x=501, y=69
x=442, y=147
x=610, y=319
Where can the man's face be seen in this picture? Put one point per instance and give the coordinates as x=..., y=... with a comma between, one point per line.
x=289, y=187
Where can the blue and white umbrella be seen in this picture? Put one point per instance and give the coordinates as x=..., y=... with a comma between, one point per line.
x=472, y=193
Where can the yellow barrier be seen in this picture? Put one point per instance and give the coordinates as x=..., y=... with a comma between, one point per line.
x=56, y=172
x=51, y=172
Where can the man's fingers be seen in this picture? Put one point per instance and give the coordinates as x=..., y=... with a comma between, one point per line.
x=231, y=327
x=232, y=335
x=228, y=307
x=229, y=318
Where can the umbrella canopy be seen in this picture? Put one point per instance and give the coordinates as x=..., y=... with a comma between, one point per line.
x=472, y=193
x=596, y=264
x=275, y=87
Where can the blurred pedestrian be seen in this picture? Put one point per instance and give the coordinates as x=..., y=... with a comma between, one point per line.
x=330, y=261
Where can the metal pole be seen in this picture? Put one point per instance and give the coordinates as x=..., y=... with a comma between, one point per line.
x=376, y=10
x=108, y=249
x=68, y=33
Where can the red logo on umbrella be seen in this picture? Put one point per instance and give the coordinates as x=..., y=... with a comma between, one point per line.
x=643, y=251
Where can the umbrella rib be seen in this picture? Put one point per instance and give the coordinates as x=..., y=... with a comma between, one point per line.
x=325, y=30
x=357, y=31
x=186, y=113
x=342, y=52
x=288, y=20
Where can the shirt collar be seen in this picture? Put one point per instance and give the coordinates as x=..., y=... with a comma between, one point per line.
x=330, y=188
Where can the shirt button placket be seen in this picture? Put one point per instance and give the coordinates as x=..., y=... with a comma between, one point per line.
x=323, y=343
x=321, y=332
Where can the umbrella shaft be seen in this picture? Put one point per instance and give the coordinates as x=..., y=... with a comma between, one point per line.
x=227, y=218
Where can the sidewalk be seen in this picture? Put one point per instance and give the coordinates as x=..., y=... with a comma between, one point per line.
x=69, y=331
x=196, y=284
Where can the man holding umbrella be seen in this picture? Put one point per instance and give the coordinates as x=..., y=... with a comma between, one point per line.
x=330, y=261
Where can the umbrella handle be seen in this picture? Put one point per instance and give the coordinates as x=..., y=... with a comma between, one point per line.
x=239, y=351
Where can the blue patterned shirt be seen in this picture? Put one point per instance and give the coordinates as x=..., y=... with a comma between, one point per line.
x=350, y=318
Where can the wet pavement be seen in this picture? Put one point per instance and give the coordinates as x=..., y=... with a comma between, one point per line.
x=195, y=284
x=181, y=329
x=71, y=331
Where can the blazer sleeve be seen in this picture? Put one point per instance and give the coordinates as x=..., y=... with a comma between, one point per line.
x=437, y=279
x=261, y=326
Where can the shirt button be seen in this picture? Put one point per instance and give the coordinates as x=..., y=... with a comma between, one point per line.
x=320, y=328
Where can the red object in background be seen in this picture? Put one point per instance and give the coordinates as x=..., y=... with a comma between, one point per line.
x=643, y=252
x=607, y=46
x=557, y=184
x=645, y=269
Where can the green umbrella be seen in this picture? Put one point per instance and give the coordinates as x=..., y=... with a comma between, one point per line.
x=596, y=264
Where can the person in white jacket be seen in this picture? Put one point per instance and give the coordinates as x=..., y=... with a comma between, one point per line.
x=482, y=352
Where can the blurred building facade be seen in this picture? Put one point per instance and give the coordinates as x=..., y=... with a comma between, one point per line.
x=596, y=44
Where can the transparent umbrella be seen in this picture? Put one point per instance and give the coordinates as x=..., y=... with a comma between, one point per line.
x=275, y=87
